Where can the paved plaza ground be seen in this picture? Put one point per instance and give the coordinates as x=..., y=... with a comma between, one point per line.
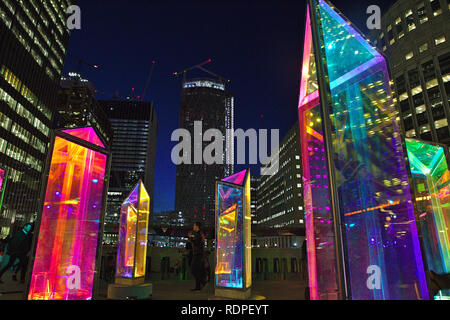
x=180, y=290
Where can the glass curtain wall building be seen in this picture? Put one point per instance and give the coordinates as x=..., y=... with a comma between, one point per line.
x=135, y=131
x=360, y=226
x=415, y=39
x=33, y=42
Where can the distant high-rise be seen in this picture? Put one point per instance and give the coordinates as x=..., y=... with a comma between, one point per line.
x=280, y=196
x=135, y=128
x=78, y=107
x=254, y=184
x=33, y=42
x=415, y=39
x=205, y=100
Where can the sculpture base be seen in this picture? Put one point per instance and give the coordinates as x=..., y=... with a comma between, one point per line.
x=130, y=292
x=233, y=294
x=129, y=281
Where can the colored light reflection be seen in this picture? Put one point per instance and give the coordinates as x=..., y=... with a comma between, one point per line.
x=431, y=176
x=233, y=245
x=237, y=178
x=67, y=245
x=87, y=134
x=131, y=258
x=370, y=175
x=2, y=185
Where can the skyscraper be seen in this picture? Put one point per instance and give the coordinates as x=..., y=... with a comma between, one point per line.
x=135, y=128
x=415, y=39
x=205, y=100
x=280, y=196
x=33, y=41
x=78, y=107
x=254, y=185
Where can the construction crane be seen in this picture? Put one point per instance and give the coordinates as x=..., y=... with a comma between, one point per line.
x=80, y=64
x=148, y=80
x=147, y=84
x=200, y=67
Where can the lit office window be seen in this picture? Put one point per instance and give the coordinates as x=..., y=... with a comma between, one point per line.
x=425, y=129
x=420, y=109
x=436, y=7
x=410, y=133
x=421, y=13
x=399, y=27
x=432, y=83
x=409, y=55
x=423, y=47
x=410, y=20
x=441, y=123
x=439, y=40
x=416, y=90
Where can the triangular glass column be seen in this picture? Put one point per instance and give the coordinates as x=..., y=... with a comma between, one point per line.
x=362, y=185
x=431, y=178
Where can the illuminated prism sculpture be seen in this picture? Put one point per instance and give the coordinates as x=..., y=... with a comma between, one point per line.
x=69, y=229
x=233, y=276
x=132, y=251
x=431, y=177
x=2, y=186
x=131, y=256
x=362, y=239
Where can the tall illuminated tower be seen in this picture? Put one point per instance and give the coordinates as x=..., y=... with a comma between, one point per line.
x=209, y=101
x=360, y=225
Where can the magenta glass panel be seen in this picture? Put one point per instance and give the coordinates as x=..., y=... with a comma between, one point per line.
x=320, y=237
x=237, y=178
x=2, y=186
x=2, y=176
x=87, y=134
x=128, y=235
x=229, y=237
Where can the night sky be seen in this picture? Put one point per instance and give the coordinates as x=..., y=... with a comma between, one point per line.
x=256, y=44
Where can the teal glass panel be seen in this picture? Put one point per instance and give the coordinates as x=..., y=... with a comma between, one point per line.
x=345, y=49
x=430, y=175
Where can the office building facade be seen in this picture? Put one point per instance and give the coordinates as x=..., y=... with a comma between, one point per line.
x=135, y=128
x=415, y=39
x=77, y=107
x=33, y=42
x=254, y=184
x=280, y=196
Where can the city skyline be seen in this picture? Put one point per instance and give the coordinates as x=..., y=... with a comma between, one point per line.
x=257, y=45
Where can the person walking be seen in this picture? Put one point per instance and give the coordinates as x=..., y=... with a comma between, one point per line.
x=197, y=239
x=17, y=249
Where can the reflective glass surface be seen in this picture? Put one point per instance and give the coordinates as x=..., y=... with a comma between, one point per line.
x=67, y=245
x=229, y=237
x=431, y=176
